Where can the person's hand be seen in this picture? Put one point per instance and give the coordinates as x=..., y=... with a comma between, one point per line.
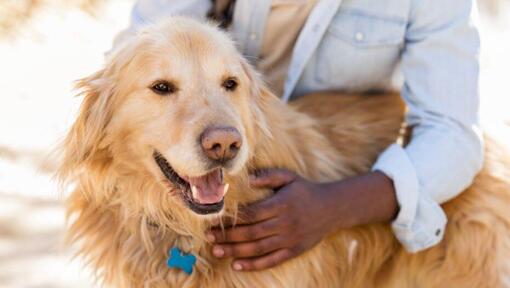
x=299, y=215
x=278, y=228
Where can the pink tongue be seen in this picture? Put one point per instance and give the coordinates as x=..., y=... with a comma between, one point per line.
x=207, y=189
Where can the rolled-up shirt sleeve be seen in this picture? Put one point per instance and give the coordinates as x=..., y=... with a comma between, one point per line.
x=441, y=72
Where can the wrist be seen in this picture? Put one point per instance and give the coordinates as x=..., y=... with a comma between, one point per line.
x=361, y=200
x=336, y=206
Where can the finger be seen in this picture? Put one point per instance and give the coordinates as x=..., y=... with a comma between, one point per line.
x=252, y=213
x=272, y=178
x=264, y=262
x=226, y=221
x=245, y=233
x=249, y=249
x=259, y=211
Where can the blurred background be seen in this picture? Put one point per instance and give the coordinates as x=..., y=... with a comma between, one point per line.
x=47, y=44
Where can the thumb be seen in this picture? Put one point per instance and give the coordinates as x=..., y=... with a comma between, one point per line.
x=272, y=178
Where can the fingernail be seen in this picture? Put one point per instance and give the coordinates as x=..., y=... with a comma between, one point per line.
x=210, y=237
x=218, y=252
x=237, y=267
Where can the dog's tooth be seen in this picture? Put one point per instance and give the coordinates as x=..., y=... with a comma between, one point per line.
x=194, y=191
x=225, y=189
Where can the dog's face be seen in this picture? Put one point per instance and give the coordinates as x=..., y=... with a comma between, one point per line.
x=176, y=99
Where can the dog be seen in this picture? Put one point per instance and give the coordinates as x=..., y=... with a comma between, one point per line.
x=168, y=133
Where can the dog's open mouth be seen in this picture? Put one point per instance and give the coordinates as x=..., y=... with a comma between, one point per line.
x=203, y=194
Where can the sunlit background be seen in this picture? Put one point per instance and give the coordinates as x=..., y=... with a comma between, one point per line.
x=47, y=44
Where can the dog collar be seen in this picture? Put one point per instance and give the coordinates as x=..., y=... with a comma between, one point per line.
x=180, y=260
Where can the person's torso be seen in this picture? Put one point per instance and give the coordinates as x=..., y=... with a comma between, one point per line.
x=358, y=50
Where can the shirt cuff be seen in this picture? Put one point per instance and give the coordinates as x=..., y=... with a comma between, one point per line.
x=420, y=222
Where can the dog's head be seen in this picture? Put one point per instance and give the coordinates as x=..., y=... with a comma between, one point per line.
x=176, y=101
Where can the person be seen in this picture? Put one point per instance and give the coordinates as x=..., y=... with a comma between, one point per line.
x=304, y=46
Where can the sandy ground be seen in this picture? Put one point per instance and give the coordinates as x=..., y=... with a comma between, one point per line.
x=37, y=68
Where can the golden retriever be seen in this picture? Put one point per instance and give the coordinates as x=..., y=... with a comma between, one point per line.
x=168, y=133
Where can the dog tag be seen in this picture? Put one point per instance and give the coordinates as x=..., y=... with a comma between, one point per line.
x=182, y=261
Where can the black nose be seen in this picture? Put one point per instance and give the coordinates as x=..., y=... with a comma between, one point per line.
x=221, y=143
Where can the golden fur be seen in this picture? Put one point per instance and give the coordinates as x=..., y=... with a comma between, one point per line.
x=120, y=191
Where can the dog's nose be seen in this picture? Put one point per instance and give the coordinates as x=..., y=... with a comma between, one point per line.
x=221, y=143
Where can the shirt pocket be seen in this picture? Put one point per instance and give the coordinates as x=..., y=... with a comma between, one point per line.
x=359, y=50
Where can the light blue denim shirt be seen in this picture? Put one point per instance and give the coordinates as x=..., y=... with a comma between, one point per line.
x=355, y=45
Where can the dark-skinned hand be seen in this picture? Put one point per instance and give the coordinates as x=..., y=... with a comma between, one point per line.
x=299, y=215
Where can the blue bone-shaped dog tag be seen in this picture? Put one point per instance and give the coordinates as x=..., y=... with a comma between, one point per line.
x=181, y=261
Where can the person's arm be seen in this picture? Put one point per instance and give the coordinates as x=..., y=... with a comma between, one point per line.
x=300, y=214
x=441, y=70
x=150, y=11
x=145, y=12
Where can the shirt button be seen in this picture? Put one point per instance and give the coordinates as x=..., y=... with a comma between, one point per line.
x=359, y=36
x=253, y=36
x=438, y=231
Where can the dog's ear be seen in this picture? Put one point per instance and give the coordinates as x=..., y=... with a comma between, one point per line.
x=86, y=136
x=262, y=98
x=256, y=83
x=259, y=89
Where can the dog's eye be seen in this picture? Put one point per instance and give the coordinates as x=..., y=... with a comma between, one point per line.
x=163, y=88
x=230, y=84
